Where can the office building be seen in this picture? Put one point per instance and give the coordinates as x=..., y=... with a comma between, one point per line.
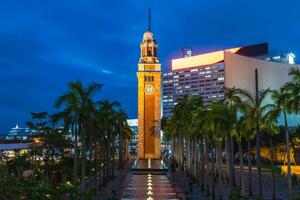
x=201, y=75
x=206, y=75
x=133, y=125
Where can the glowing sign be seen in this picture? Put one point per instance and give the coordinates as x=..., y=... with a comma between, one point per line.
x=200, y=60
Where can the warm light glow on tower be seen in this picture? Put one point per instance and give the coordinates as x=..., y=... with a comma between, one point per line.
x=149, y=98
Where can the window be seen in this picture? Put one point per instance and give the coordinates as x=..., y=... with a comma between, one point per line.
x=149, y=78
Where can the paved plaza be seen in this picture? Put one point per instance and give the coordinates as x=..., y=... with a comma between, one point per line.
x=144, y=180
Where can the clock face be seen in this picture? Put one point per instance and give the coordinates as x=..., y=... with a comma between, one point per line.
x=149, y=89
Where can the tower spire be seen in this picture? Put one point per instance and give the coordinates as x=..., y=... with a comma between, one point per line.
x=149, y=20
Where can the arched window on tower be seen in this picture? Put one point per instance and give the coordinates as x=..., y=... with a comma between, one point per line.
x=150, y=51
x=144, y=51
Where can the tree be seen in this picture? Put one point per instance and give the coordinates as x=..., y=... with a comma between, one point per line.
x=77, y=104
x=292, y=90
x=270, y=126
x=124, y=134
x=217, y=121
x=233, y=101
x=253, y=112
x=282, y=106
x=106, y=108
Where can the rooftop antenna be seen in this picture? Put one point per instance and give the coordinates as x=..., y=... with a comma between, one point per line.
x=149, y=20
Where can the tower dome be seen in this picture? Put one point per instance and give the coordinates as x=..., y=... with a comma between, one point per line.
x=148, y=35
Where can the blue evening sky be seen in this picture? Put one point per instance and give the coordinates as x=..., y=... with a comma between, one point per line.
x=45, y=44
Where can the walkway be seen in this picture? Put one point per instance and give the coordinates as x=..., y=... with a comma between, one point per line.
x=148, y=180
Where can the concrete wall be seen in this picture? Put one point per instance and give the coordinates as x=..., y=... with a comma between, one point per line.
x=240, y=73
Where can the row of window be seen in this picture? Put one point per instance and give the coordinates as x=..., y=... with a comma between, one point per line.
x=149, y=78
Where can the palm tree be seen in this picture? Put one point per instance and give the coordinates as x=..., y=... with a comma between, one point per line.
x=253, y=109
x=233, y=101
x=77, y=103
x=218, y=120
x=271, y=127
x=282, y=106
x=293, y=89
x=200, y=135
x=123, y=134
x=106, y=108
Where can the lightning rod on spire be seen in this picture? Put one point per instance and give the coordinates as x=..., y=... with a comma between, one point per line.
x=149, y=20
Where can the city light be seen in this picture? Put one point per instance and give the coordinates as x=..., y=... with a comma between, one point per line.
x=201, y=60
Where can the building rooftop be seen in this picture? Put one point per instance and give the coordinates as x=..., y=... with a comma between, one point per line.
x=201, y=60
x=218, y=56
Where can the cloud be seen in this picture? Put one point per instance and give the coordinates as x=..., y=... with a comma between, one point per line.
x=44, y=45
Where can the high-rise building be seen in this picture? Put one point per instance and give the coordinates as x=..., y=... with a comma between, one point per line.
x=149, y=98
x=202, y=75
x=186, y=52
x=133, y=125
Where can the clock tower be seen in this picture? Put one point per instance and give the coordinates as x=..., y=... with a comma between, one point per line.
x=149, y=98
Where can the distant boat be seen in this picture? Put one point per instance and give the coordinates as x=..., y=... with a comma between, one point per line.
x=19, y=133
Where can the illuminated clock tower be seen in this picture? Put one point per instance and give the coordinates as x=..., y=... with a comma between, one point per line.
x=149, y=98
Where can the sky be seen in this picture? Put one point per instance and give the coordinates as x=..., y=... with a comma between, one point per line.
x=46, y=44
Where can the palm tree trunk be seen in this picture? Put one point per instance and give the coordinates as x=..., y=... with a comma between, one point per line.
x=108, y=154
x=219, y=167
x=113, y=158
x=232, y=168
x=249, y=168
x=75, y=155
x=289, y=171
x=207, y=167
x=229, y=162
x=186, y=151
x=242, y=181
x=182, y=153
x=172, y=148
x=96, y=159
x=83, y=155
x=202, y=161
x=272, y=166
x=190, y=156
x=258, y=162
x=198, y=163
x=195, y=157
x=121, y=149
x=213, y=173
x=227, y=158
x=125, y=150
x=101, y=150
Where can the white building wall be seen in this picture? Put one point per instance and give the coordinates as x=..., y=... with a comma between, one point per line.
x=240, y=73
